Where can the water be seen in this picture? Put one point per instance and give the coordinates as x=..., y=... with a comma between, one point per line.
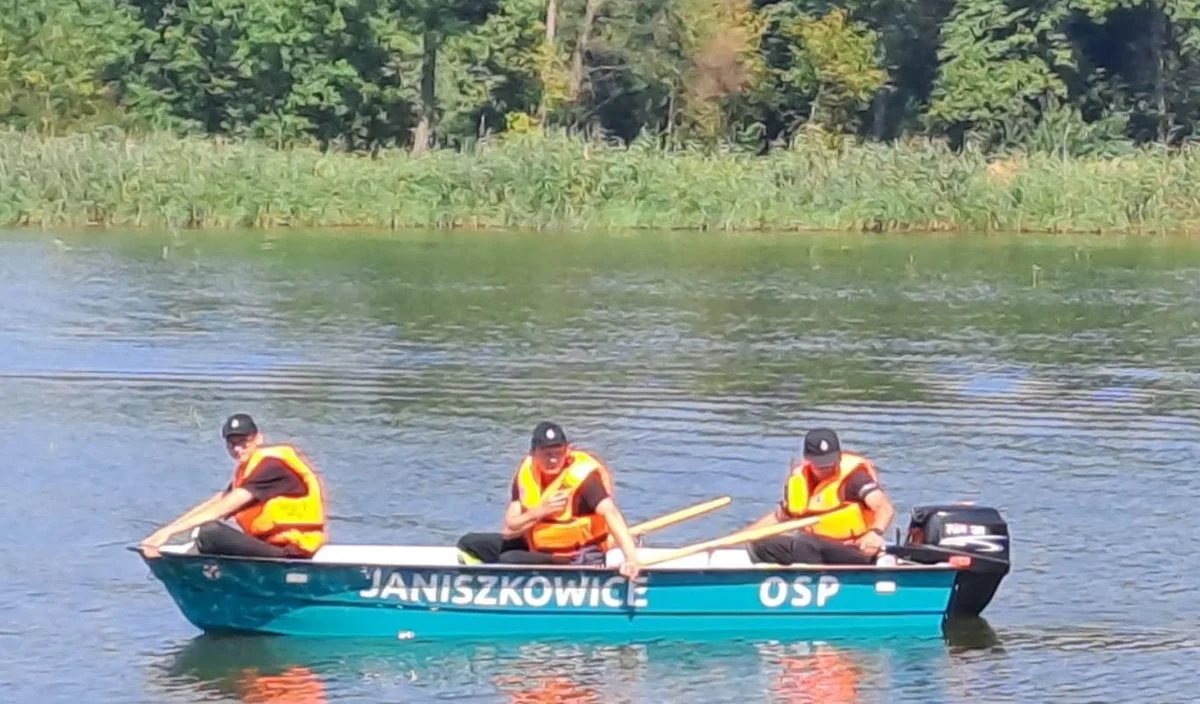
x=1053, y=379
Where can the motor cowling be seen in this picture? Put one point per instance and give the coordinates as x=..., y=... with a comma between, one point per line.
x=970, y=537
x=960, y=528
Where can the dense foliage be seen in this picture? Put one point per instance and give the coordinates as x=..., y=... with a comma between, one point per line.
x=1075, y=77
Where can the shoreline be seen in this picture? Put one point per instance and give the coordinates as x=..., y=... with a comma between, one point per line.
x=108, y=180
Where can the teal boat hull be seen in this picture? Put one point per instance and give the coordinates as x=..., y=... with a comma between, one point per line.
x=220, y=594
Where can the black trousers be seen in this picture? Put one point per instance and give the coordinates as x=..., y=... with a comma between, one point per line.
x=806, y=548
x=217, y=538
x=494, y=548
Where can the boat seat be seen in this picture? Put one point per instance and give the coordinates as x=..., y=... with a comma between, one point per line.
x=730, y=558
x=733, y=557
x=425, y=555
x=615, y=557
x=447, y=556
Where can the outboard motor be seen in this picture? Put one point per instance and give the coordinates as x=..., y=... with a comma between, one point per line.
x=975, y=537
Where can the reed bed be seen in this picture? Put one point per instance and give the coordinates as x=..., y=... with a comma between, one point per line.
x=559, y=182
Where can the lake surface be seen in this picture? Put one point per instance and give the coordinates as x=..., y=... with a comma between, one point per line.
x=1057, y=380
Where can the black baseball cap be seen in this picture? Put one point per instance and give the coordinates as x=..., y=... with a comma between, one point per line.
x=547, y=434
x=238, y=425
x=821, y=447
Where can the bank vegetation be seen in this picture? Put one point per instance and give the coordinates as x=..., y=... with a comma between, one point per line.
x=1034, y=115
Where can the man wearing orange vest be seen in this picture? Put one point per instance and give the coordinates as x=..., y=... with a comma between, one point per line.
x=275, y=497
x=561, y=510
x=842, y=489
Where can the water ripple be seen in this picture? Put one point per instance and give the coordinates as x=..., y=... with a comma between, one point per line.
x=412, y=370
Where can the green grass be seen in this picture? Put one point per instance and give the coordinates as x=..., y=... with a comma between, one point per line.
x=557, y=182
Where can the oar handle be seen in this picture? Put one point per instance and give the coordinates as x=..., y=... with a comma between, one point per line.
x=742, y=536
x=679, y=516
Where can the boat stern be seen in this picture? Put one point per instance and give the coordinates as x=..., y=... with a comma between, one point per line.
x=974, y=539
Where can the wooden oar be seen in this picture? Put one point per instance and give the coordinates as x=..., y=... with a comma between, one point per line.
x=743, y=536
x=679, y=516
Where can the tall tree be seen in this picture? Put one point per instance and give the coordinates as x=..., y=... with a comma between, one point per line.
x=55, y=61
x=283, y=70
x=491, y=73
x=1000, y=66
x=1147, y=52
x=824, y=69
x=436, y=20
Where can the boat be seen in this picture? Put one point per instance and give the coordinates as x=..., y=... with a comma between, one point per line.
x=948, y=565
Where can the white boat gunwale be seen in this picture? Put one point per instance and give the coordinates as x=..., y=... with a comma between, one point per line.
x=614, y=558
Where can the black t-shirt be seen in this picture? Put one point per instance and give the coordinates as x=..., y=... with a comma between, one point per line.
x=591, y=492
x=272, y=479
x=858, y=485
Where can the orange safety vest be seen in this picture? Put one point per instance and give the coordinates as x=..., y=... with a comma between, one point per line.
x=284, y=520
x=839, y=520
x=566, y=532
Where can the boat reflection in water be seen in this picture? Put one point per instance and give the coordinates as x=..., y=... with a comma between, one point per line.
x=263, y=669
